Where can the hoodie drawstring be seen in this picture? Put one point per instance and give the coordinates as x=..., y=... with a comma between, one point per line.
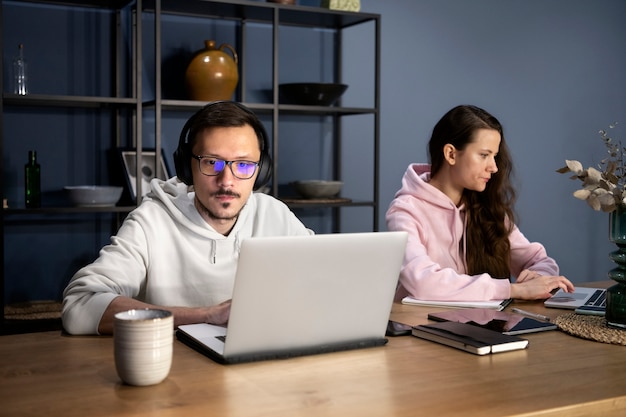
x=214, y=247
x=213, y=254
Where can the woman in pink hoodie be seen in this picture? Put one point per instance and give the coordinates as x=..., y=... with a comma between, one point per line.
x=463, y=241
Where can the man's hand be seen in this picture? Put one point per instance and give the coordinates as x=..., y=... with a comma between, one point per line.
x=217, y=314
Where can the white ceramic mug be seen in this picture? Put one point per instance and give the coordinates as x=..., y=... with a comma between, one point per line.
x=143, y=341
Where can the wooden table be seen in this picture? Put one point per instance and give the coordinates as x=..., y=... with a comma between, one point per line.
x=56, y=375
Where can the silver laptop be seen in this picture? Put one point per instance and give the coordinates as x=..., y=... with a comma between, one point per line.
x=304, y=295
x=591, y=299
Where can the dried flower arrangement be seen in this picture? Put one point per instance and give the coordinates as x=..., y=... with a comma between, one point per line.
x=603, y=188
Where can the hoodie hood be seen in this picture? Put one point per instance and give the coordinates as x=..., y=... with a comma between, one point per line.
x=415, y=183
x=433, y=212
x=177, y=198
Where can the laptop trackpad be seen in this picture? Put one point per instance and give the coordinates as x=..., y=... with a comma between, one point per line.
x=568, y=297
x=211, y=335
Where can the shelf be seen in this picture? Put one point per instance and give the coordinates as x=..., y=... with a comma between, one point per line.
x=66, y=101
x=102, y=4
x=184, y=105
x=66, y=210
x=327, y=202
x=322, y=18
x=118, y=119
x=260, y=96
x=96, y=55
x=316, y=110
x=263, y=12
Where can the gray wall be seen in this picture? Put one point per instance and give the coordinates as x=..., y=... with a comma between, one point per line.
x=553, y=72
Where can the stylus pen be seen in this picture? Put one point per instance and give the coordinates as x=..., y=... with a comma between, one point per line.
x=529, y=314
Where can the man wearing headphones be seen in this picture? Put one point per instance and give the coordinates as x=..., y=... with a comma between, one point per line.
x=178, y=250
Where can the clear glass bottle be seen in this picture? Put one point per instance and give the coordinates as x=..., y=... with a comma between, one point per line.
x=32, y=181
x=20, y=74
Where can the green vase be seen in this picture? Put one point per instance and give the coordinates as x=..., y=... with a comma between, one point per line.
x=616, y=295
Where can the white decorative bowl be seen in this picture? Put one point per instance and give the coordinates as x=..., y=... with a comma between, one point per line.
x=317, y=188
x=93, y=195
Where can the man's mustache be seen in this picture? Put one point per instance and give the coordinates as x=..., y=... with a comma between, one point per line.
x=228, y=193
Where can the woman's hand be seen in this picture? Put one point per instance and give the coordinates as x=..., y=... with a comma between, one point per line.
x=527, y=275
x=532, y=286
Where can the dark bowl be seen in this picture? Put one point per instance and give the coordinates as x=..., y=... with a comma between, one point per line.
x=311, y=94
x=317, y=188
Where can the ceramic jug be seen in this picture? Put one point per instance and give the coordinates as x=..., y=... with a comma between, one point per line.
x=212, y=73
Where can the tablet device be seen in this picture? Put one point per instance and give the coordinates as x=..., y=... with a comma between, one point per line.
x=500, y=321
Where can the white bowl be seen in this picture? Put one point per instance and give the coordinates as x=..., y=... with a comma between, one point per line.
x=93, y=195
x=317, y=188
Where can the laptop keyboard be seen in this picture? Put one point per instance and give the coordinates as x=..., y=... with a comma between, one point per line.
x=598, y=299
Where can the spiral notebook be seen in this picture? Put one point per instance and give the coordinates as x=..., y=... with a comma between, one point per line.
x=498, y=305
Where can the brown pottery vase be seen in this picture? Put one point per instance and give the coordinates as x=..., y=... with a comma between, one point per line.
x=212, y=73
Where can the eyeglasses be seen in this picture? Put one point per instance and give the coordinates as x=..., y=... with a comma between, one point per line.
x=210, y=166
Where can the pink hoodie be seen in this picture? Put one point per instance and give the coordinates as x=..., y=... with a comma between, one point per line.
x=434, y=263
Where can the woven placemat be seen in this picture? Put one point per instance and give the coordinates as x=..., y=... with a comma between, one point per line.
x=33, y=310
x=591, y=328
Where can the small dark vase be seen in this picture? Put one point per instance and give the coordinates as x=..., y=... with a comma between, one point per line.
x=616, y=295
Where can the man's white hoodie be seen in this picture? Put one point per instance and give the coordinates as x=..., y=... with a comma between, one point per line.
x=166, y=254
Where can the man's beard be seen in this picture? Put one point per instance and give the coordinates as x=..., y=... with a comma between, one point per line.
x=215, y=216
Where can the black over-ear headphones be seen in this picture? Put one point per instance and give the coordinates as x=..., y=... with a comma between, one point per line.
x=182, y=155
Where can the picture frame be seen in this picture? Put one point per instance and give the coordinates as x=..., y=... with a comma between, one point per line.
x=128, y=158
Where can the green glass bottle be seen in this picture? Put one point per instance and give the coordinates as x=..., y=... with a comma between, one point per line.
x=616, y=295
x=32, y=181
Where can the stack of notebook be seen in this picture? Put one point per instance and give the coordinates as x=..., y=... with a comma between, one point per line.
x=469, y=338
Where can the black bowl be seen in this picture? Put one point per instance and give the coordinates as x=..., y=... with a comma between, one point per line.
x=311, y=94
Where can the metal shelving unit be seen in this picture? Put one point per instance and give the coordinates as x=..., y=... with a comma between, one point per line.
x=127, y=106
x=276, y=15
x=122, y=104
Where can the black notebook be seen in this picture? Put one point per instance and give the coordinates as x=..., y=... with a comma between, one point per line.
x=469, y=338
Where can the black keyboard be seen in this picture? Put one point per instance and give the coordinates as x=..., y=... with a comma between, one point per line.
x=598, y=299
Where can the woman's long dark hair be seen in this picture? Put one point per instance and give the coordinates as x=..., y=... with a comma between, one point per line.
x=490, y=214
